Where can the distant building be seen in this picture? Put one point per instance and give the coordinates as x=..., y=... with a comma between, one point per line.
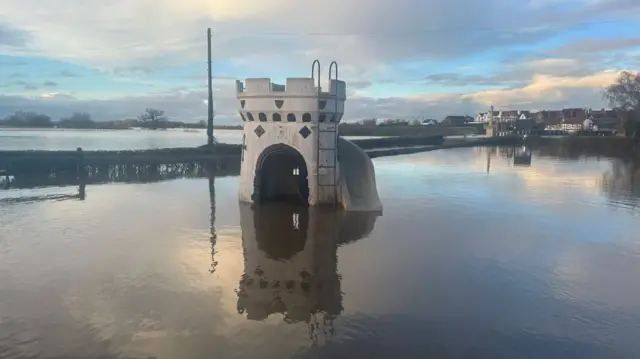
x=456, y=120
x=429, y=122
x=549, y=118
x=505, y=115
x=369, y=122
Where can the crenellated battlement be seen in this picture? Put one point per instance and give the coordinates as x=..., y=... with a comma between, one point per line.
x=290, y=135
x=295, y=87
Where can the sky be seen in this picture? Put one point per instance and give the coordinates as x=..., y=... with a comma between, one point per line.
x=400, y=58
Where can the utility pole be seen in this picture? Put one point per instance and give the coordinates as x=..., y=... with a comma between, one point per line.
x=210, y=100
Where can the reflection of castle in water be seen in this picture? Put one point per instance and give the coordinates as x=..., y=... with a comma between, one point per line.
x=290, y=260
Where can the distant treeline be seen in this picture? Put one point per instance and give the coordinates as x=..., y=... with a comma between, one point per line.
x=152, y=118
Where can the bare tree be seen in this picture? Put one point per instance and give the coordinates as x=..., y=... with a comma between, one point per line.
x=624, y=97
x=153, y=117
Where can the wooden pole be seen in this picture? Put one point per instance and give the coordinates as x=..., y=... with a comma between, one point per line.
x=210, y=99
x=81, y=174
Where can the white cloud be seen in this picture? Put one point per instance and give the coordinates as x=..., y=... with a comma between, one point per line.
x=159, y=32
x=583, y=91
x=542, y=91
x=260, y=35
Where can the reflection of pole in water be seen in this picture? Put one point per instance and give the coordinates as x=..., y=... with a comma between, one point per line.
x=488, y=160
x=214, y=236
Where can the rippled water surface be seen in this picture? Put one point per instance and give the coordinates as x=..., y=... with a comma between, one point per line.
x=473, y=258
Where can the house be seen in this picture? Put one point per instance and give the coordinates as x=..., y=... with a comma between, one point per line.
x=429, y=122
x=456, y=120
x=572, y=124
x=369, y=122
x=600, y=120
x=506, y=115
x=549, y=118
x=574, y=114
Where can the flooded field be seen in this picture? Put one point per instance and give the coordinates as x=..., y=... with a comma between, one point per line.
x=65, y=140
x=480, y=253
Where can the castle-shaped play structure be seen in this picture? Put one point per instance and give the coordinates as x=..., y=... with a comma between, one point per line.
x=291, y=148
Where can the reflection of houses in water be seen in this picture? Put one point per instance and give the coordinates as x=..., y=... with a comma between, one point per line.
x=519, y=156
x=290, y=261
x=522, y=156
x=622, y=182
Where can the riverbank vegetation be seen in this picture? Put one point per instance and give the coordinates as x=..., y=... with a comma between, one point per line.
x=153, y=118
x=624, y=97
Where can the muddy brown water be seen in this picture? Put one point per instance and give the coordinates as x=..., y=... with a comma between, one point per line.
x=477, y=255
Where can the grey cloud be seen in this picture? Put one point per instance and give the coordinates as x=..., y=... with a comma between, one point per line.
x=68, y=74
x=591, y=46
x=19, y=84
x=360, y=33
x=17, y=75
x=128, y=70
x=10, y=36
x=189, y=106
x=514, y=75
x=50, y=84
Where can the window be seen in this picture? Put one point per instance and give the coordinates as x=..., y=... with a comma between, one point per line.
x=262, y=117
x=296, y=171
x=249, y=116
x=306, y=117
x=322, y=118
x=332, y=118
x=291, y=117
x=276, y=117
x=242, y=116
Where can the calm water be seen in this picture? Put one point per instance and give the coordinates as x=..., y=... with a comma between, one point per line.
x=473, y=258
x=54, y=139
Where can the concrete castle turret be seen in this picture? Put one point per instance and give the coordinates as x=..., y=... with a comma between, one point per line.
x=290, y=144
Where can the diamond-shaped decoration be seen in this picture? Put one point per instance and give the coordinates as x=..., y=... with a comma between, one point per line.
x=279, y=103
x=242, y=102
x=259, y=131
x=322, y=104
x=304, y=132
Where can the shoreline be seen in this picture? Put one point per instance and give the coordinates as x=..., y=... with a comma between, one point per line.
x=222, y=154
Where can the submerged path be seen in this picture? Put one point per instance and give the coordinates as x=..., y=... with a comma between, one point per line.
x=225, y=153
x=28, y=169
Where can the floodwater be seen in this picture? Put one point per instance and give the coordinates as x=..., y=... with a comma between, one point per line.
x=58, y=139
x=474, y=257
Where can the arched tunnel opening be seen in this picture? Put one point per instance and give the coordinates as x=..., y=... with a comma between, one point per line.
x=281, y=176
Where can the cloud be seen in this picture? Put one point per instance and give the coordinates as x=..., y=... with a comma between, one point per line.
x=50, y=84
x=12, y=37
x=17, y=75
x=172, y=32
x=371, y=42
x=515, y=74
x=67, y=74
x=129, y=70
x=186, y=104
x=550, y=92
x=591, y=46
x=27, y=86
